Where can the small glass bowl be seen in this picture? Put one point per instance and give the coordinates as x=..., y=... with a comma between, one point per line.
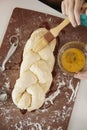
x=73, y=44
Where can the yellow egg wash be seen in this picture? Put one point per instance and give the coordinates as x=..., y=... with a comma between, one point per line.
x=73, y=60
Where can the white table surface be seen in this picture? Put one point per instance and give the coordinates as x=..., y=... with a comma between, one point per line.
x=78, y=119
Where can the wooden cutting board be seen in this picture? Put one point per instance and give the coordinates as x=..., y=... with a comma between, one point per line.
x=56, y=111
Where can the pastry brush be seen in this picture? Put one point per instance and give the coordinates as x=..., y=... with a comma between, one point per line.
x=53, y=33
x=50, y=35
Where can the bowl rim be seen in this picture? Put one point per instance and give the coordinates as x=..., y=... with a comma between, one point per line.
x=72, y=44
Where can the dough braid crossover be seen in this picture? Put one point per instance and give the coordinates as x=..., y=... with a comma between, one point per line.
x=35, y=74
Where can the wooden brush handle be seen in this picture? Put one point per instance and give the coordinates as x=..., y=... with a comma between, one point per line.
x=55, y=31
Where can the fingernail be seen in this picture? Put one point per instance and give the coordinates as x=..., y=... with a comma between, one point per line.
x=74, y=25
x=78, y=23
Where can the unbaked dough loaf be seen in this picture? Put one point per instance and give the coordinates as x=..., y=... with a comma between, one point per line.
x=35, y=74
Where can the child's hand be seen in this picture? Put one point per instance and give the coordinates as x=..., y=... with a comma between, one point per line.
x=72, y=8
x=81, y=75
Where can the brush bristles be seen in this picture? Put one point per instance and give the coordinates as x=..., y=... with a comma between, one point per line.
x=47, y=38
x=40, y=45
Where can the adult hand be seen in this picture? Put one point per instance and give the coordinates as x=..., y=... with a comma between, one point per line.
x=72, y=8
x=81, y=75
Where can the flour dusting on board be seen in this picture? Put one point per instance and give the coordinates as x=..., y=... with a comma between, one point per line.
x=56, y=110
x=56, y=116
x=61, y=92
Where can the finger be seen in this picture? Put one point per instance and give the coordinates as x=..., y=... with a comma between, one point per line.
x=63, y=7
x=77, y=10
x=77, y=15
x=81, y=75
x=66, y=6
x=71, y=14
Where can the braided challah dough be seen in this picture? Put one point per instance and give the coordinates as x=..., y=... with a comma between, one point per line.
x=35, y=74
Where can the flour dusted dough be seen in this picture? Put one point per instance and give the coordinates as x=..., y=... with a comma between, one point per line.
x=35, y=74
